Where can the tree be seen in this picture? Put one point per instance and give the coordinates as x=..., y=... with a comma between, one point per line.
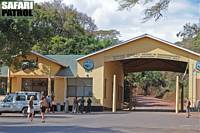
x=190, y=36
x=63, y=30
x=189, y=31
x=54, y=29
x=153, y=11
x=147, y=79
x=16, y=39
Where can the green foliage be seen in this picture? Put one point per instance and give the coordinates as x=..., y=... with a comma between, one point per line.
x=156, y=10
x=153, y=11
x=147, y=79
x=16, y=38
x=189, y=31
x=191, y=37
x=54, y=29
x=64, y=30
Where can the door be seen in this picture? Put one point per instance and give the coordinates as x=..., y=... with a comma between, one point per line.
x=7, y=103
x=20, y=102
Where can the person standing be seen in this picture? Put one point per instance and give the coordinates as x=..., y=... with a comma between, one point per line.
x=89, y=105
x=53, y=104
x=66, y=104
x=49, y=100
x=82, y=101
x=134, y=102
x=75, y=105
x=30, y=108
x=188, y=104
x=43, y=107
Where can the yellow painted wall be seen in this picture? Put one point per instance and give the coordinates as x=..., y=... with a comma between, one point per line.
x=97, y=75
x=42, y=72
x=140, y=48
x=146, y=46
x=16, y=84
x=111, y=68
x=43, y=64
x=198, y=84
x=59, y=88
x=192, y=90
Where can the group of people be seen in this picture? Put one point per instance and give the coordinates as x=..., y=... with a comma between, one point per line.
x=46, y=104
x=79, y=104
x=51, y=103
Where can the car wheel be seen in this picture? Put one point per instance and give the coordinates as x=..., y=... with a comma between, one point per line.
x=24, y=111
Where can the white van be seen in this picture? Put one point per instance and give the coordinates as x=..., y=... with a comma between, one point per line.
x=18, y=102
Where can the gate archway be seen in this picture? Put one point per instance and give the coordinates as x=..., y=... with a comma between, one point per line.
x=143, y=53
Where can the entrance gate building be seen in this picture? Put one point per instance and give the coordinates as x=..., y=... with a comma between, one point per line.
x=100, y=75
x=143, y=53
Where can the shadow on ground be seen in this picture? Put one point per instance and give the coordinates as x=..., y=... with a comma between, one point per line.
x=56, y=129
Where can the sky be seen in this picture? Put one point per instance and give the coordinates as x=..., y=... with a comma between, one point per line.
x=106, y=16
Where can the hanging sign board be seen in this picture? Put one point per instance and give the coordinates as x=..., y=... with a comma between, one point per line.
x=198, y=65
x=88, y=65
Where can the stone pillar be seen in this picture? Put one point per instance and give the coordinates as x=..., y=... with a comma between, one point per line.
x=177, y=94
x=114, y=94
x=8, y=81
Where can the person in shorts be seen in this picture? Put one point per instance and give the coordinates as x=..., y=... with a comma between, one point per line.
x=30, y=108
x=43, y=107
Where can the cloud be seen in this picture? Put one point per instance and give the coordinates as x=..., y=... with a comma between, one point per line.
x=128, y=22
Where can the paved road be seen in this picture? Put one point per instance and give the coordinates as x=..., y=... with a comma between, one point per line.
x=104, y=122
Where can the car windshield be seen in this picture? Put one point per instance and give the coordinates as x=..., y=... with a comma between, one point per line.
x=8, y=98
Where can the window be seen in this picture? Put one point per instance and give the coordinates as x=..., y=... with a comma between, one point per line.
x=79, y=87
x=3, y=86
x=35, y=97
x=80, y=91
x=35, y=84
x=88, y=91
x=71, y=91
x=8, y=99
x=21, y=98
